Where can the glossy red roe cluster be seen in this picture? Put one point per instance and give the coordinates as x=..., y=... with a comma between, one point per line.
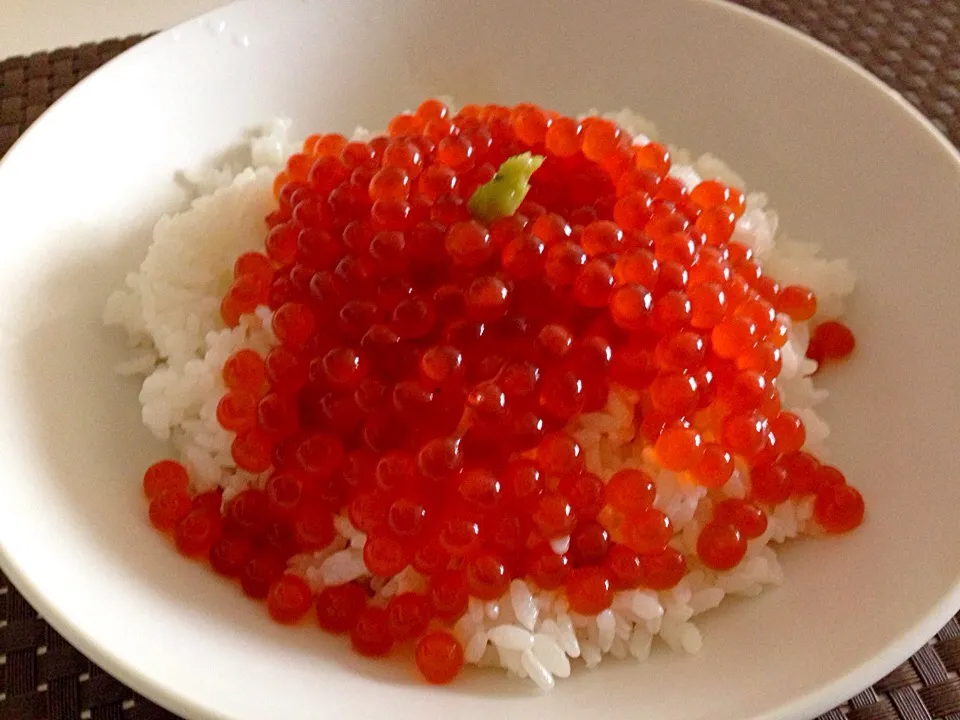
x=427, y=364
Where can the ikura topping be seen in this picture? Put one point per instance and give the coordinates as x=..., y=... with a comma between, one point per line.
x=830, y=341
x=452, y=304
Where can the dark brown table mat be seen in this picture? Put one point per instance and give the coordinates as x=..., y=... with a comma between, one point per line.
x=913, y=45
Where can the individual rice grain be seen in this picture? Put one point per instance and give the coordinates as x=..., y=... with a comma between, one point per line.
x=510, y=637
x=536, y=671
x=475, y=647
x=606, y=630
x=640, y=643
x=551, y=655
x=524, y=607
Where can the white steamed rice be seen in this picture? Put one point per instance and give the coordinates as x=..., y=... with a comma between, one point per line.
x=170, y=311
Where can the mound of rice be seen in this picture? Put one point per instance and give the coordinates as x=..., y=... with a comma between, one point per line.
x=170, y=311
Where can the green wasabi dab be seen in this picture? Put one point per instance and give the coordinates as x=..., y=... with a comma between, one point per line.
x=502, y=194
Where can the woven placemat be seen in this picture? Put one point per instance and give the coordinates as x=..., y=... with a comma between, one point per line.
x=913, y=45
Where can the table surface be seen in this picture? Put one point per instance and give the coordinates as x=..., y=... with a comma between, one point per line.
x=29, y=26
x=913, y=45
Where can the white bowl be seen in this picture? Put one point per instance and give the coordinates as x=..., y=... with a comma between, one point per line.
x=846, y=161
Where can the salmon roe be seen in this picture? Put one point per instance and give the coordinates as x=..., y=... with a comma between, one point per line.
x=721, y=545
x=428, y=363
x=289, y=599
x=439, y=656
x=165, y=475
x=830, y=341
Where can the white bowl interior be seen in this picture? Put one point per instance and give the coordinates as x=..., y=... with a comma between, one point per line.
x=846, y=163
